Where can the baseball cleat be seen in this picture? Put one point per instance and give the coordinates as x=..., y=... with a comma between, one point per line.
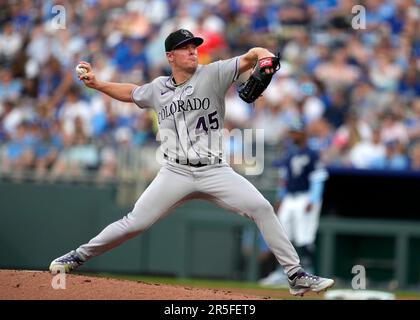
x=305, y=282
x=66, y=263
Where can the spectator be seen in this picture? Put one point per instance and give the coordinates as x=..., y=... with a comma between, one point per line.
x=143, y=130
x=237, y=111
x=393, y=159
x=10, y=44
x=393, y=129
x=78, y=157
x=412, y=122
x=337, y=73
x=10, y=87
x=320, y=137
x=45, y=153
x=310, y=105
x=294, y=13
x=267, y=116
x=130, y=55
x=75, y=108
x=384, y=73
x=409, y=86
x=107, y=171
x=415, y=157
x=365, y=152
x=336, y=112
x=351, y=132
x=19, y=155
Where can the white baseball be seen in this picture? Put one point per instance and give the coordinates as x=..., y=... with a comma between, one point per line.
x=80, y=70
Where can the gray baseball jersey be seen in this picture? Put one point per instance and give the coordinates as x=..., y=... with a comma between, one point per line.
x=191, y=116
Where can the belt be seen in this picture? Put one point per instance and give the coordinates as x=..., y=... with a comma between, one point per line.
x=188, y=163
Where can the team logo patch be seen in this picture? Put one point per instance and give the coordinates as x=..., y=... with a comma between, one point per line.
x=189, y=90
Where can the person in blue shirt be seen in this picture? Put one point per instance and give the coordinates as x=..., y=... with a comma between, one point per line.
x=393, y=159
x=302, y=178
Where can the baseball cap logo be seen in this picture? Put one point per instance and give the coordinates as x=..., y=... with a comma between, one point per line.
x=186, y=33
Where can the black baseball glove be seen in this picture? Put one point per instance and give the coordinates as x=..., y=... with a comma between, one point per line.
x=259, y=79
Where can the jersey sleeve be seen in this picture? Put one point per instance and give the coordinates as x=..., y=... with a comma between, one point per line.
x=318, y=171
x=142, y=96
x=226, y=72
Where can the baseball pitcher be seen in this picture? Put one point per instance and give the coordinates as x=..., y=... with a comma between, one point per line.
x=190, y=110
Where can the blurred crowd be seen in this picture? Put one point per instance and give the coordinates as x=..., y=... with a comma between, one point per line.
x=357, y=89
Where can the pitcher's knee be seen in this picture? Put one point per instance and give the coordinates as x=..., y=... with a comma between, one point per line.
x=135, y=225
x=263, y=209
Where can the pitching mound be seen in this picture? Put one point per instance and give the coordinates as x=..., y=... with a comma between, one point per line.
x=37, y=285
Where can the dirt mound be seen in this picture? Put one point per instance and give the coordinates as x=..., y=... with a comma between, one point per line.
x=38, y=285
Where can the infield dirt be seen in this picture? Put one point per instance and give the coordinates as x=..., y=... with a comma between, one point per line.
x=37, y=285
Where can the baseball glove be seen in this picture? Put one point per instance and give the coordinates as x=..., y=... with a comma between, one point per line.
x=259, y=80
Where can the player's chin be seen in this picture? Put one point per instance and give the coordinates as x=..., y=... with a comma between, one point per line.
x=191, y=68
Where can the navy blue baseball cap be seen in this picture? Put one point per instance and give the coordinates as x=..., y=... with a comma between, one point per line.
x=179, y=38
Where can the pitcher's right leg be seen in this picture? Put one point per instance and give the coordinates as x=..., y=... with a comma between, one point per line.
x=170, y=188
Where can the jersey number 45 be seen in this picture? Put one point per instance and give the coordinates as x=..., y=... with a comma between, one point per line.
x=204, y=125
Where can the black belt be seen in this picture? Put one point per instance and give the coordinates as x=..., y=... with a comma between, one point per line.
x=188, y=163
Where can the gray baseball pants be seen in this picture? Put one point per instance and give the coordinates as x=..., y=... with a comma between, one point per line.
x=218, y=183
